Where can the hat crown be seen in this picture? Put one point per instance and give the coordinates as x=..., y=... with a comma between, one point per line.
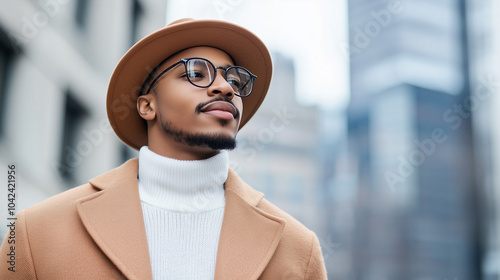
x=180, y=21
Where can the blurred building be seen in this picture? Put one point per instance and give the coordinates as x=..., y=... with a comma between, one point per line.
x=278, y=150
x=410, y=143
x=340, y=188
x=484, y=50
x=56, y=58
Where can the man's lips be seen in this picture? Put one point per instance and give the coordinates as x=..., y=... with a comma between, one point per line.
x=221, y=109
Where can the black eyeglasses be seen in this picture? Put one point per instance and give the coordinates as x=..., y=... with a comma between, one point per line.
x=201, y=72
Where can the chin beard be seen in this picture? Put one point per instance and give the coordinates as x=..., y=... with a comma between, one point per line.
x=213, y=141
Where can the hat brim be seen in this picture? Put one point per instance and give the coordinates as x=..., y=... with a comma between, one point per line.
x=245, y=48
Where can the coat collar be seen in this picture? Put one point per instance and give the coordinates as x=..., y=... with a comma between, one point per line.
x=113, y=218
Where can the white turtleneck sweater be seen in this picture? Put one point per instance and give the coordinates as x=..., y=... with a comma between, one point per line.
x=183, y=206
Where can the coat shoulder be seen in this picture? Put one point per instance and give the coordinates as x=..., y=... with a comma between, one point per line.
x=293, y=227
x=297, y=238
x=298, y=246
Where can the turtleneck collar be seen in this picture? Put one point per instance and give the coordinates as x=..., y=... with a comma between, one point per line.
x=182, y=185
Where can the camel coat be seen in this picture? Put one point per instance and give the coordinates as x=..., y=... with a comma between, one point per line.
x=96, y=231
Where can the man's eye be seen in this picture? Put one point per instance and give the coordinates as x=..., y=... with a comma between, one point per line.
x=195, y=75
x=235, y=83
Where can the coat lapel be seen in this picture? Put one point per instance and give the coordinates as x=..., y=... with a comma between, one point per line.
x=113, y=218
x=249, y=236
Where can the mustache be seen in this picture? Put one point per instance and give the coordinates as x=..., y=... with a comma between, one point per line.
x=201, y=105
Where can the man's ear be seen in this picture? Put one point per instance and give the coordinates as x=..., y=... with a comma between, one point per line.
x=146, y=107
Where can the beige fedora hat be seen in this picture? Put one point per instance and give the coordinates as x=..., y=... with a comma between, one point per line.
x=244, y=47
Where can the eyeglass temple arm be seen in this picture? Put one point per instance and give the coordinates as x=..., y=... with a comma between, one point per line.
x=161, y=74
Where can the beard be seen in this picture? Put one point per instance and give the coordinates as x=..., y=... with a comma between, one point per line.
x=213, y=141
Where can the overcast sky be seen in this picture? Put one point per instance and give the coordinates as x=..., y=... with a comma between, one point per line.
x=309, y=31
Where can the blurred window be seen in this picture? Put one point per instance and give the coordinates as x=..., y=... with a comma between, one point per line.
x=7, y=54
x=137, y=12
x=71, y=153
x=81, y=13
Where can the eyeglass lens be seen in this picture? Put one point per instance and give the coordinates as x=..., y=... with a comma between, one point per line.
x=240, y=80
x=201, y=72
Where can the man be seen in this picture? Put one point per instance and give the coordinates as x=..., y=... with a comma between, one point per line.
x=178, y=211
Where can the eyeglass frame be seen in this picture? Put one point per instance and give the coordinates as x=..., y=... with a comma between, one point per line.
x=184, y=60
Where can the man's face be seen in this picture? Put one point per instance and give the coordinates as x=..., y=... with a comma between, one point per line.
x=193, y=116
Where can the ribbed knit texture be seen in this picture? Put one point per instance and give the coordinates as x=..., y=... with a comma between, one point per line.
x=183, y=206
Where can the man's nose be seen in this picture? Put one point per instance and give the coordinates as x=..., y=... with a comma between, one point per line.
x=221, y=86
